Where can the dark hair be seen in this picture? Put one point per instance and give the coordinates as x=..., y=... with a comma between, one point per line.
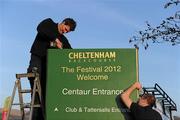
x=70, y=22
x=150, y=99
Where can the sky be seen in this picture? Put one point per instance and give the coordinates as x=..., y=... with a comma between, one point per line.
x=100, y=24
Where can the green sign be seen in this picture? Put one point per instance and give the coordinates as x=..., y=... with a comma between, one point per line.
x=82, y=84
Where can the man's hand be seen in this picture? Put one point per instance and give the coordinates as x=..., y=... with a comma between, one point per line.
x=59, y=43
x=125, y=96
x=137, y=85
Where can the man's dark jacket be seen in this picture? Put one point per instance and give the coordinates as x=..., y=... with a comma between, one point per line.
x=47, y=31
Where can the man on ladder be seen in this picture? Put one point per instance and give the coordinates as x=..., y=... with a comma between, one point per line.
x=50, y=34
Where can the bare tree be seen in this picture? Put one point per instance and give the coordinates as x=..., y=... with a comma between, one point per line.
x=168, y=31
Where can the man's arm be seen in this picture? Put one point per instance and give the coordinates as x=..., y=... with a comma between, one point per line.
x=48, y=28
x=125, y=96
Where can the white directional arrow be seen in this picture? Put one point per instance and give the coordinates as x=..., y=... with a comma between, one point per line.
x=56, y=110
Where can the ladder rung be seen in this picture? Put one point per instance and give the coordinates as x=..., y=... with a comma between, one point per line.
x=16, y=104
x=38, y=105
x=26, y=91
x=27, y=105
x=26, y=75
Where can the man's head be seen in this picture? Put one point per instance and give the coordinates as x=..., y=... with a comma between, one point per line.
x=67, y=25
x=147, y=100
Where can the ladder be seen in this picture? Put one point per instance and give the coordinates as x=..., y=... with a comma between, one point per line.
x=36, y=89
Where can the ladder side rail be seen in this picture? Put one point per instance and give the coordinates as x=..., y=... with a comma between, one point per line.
x=12, y=99
x=33, y=98
x=38, y=87
x=20, y=98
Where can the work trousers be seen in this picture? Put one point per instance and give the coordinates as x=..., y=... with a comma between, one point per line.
x=39, y=63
